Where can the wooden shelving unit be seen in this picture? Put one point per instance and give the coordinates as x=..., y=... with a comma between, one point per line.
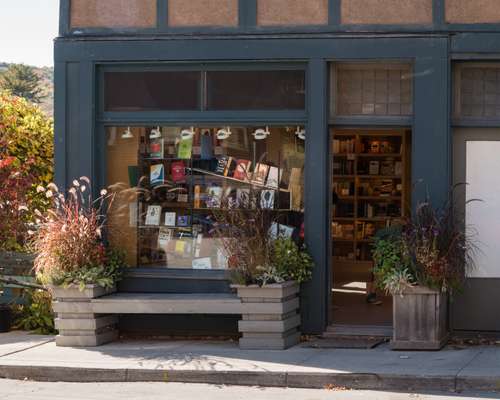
x=366, y=200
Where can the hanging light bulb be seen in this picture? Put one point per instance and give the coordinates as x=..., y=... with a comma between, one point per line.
x=261, y=134
x=224, y=133
x=300, y=133
x=155, y=133
x=187, y=133
x=127, y=133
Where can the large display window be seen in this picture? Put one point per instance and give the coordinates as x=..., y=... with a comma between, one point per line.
x=170, y=181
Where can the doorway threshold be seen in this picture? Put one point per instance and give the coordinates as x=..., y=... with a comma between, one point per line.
x=336, y=330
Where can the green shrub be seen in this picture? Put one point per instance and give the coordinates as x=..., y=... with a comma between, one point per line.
x=36, y=313
x=26, y=137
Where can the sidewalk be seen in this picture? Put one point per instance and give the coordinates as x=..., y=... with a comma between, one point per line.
x=36, y=357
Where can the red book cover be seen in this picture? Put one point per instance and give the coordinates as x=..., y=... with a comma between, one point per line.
x=242, y=171
x=178, y=171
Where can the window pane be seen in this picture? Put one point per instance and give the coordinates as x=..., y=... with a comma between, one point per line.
x=170, y=189
x=479, y=92
x=376, y=90
x=256, y=90
x=151, y=91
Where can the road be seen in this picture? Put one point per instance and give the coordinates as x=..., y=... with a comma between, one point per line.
x=26, y=390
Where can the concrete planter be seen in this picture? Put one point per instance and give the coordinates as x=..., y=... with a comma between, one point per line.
x=420, y=319
x=77, y=324
x=270, y=316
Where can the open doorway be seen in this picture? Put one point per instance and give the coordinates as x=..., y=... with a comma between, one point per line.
x=370, y=191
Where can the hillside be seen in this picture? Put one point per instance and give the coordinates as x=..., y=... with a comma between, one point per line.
x=47, y=76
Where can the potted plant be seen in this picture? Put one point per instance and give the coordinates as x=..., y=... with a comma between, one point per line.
x=73, y=260
x=267, y=268
x=422, y=262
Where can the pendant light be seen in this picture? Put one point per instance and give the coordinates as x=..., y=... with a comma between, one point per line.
x=127, y=133
x=224, y=133
x=155, y=133
x=261, y=134
x=187, y=133
x=300, y=133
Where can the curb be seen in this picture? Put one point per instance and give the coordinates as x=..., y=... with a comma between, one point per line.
x=261, y=378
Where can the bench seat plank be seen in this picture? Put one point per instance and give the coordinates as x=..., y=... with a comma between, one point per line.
x=167, y=303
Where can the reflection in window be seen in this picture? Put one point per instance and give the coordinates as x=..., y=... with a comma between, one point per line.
x=170, y=181
x=257, y=90
x=151, y=91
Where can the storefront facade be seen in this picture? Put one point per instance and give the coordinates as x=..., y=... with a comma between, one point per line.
x=329, y=71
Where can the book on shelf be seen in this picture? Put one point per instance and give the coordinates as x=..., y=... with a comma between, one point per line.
x=165, y=235
x=178, y=171
x=182, y=197
x=260, y=173
x=374, y=168
x=243, y=198
x=153, y=215
x=214, y=196
x=183, y=220
x=267, y=199
x=185, y=148
x=156, y=174
x=281, y=231
x=133, y=175
x=387, y=168
x=197, y=196
x=196, y=147
x=398, y=168
x=273, y=177
x=242, y=170
x=295, y=179
x=156, y=148
x=207, y=147
x=202, y=263
x=170, y=218
x=225, y=165
x=132, y=214
x=343, y=146
x=343, y=167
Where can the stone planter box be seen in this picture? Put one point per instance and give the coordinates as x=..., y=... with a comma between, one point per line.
x=77, y=324
x=420, y=319
x=270, y=316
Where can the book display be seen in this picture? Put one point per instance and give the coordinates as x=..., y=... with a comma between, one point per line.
x=185, y=175
x=370, y=190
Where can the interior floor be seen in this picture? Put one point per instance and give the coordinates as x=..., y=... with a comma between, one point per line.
x=349, y=306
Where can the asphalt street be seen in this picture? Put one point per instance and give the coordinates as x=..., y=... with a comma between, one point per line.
x=27, y=390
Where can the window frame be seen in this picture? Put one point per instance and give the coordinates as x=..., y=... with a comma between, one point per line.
x=186, y=118
x=456, y=118
x=366, y=120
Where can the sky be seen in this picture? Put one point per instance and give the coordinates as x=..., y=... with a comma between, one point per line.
x=27, y=30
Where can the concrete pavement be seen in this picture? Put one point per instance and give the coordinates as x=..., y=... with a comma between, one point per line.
x=26, y=390
x=472, y=368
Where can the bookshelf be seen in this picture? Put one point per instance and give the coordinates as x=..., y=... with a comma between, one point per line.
x=192, y=187
x=370, y=189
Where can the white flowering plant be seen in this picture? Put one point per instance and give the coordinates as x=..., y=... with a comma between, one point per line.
x=68, y=238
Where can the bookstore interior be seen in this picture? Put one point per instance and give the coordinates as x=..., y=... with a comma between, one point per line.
x=184, y=175
x=370, y=181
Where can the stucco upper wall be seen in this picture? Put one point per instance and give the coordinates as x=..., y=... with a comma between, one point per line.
x=472, y=11
x=113, y=14
x=386, y=12
x=292, y=12
x=202, y=13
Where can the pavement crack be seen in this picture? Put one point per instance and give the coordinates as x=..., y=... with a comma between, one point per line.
x=465, y=366
x=26, y=348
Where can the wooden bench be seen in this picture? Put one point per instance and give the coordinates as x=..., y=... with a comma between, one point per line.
x=89, y=318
